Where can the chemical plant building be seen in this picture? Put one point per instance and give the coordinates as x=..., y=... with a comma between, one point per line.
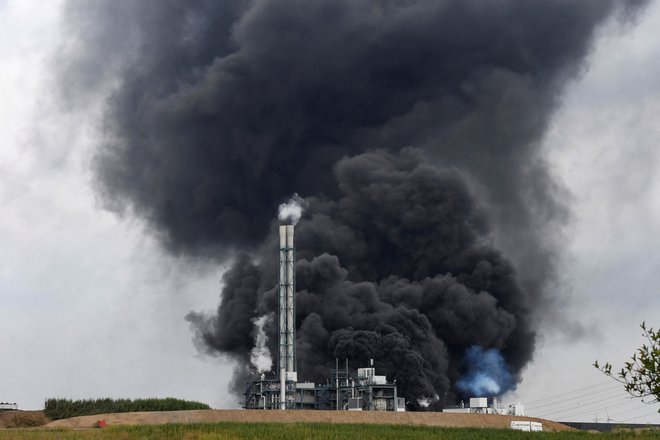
x=345, y=389
x=480, y=405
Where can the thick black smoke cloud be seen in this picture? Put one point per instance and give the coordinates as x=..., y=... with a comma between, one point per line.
x=392, y=270
x=220, y=110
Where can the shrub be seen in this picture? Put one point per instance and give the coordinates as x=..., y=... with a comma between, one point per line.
x=27, y=420
x=64, y=408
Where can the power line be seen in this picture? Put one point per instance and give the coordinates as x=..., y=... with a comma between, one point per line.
x=636, y=408
x=572, y=398
x=643, y=415
x=575, y=390
x=611, y=408
x=563, y=385
x=581, y=406
x=592, y=406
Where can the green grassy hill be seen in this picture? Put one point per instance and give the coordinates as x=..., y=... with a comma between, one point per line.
x=300, y=431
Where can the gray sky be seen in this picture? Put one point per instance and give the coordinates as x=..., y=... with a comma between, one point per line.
x=604, y=145
x=90, y=306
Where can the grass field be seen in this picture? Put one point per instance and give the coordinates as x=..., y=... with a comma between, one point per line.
x=300, y=431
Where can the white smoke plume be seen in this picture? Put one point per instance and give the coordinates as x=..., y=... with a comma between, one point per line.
x=481, y=384
x=292, y=209
x=487, y=373
x=260, y=355
x=425, y=402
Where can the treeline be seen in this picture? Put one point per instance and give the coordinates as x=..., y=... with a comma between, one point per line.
x=64, y=408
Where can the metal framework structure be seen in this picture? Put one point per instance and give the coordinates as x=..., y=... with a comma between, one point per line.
x=286, y=358
x=361, y=391
x=345, y=390
x=287, y=312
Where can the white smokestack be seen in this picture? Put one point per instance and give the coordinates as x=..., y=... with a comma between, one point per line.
x=287, y=318
x=291, y=318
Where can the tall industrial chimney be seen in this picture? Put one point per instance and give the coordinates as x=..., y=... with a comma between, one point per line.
x=287, y=325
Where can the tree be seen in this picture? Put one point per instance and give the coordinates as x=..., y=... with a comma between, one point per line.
x=641, y=375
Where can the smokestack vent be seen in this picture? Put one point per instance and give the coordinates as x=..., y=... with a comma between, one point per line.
x=287, y=324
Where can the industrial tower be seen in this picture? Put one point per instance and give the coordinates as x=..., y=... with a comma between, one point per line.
x=360, y=390
x=286, y=359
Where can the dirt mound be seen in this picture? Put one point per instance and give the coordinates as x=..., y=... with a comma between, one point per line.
x=255, y=416
x=22, y=419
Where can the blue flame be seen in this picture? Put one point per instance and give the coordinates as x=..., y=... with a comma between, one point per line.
x=487, y=373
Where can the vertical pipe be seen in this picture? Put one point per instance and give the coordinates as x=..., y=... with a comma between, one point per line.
x=290, y=318
x=287, y=325
x=282, y=388
x=282, y=352
x=337, y=381
x=282, y=321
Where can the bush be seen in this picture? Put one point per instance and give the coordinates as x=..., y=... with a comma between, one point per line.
x=64, y=408
x=28, y=420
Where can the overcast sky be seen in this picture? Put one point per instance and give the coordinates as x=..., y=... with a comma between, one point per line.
x=90, y=306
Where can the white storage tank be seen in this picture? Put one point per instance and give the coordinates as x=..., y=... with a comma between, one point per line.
x=478, y=402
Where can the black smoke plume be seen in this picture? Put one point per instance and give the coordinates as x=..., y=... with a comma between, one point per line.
x=219, y=110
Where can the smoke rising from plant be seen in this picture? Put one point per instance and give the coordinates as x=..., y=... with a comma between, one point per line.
x=218, y=110
x=425, y=402
x=260, y=356
x=291, y=210
x=487, y=373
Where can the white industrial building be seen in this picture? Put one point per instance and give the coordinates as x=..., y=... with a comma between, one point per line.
x=480, y=405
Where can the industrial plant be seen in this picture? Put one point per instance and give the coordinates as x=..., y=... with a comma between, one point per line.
x=483, y=405
x=345, y=389
x=6, y=406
